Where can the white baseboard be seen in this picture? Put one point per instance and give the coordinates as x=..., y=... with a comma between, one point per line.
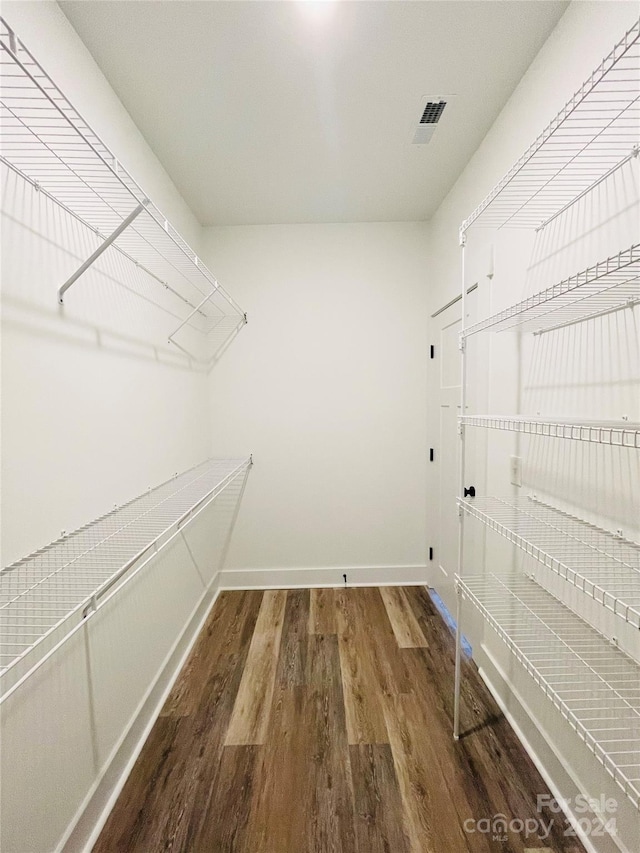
x=323, y=577
x=93, y=814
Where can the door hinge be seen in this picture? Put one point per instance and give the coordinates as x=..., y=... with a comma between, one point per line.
x=430, y=553
x=431, y=454
x=432, y=351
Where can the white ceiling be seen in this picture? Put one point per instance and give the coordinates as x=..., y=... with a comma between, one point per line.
x=277, y=112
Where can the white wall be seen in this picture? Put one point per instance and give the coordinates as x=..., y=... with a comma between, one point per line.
x=326, y=386
x=590, y=370
x=95, y=407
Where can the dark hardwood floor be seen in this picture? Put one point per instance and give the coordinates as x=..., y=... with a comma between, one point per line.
x=320, y=720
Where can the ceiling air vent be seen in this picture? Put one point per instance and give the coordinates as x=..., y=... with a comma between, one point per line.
x=432, y=112
x=432, y=109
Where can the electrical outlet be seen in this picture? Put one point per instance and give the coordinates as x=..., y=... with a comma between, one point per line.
x=515, y=469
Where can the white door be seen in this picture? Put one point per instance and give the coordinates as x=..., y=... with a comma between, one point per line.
x=443, y=410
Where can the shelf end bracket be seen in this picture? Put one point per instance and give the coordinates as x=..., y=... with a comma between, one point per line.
x=101, y=248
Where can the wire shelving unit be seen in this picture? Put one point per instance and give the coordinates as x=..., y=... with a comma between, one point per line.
x=47, y=142
x=608, y=286
x=614, y=433
x=594, y=685
x=604, y=566
x=46, y=594
x=594, y=134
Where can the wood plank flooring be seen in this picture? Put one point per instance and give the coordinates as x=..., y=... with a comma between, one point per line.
x=319, y=721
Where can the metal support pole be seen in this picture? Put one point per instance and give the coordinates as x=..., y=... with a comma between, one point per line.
x=461, y=457
x=456, y=698
x=101, y=248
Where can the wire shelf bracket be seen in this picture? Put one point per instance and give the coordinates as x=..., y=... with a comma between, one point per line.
x=48, y=143
x=102, y=248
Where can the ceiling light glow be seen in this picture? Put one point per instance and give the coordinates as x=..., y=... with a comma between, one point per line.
x=317, y=12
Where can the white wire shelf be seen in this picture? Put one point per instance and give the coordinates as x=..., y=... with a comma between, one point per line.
x=601, y=564
x=611, y=285
x=615, y=433
x=43, y=595
x=45, y=140
x=594, y=685
x=593, y=134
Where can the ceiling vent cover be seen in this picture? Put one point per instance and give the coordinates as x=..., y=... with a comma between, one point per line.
x=432, y=112
x=432, y=109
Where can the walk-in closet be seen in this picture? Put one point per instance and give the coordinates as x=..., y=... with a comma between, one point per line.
x=320, y=426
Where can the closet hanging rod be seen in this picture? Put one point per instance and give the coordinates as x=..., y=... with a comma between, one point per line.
x=175, y=526
x=60, y=584
x=45, y=139
x=36, y=186
x=58, y=645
